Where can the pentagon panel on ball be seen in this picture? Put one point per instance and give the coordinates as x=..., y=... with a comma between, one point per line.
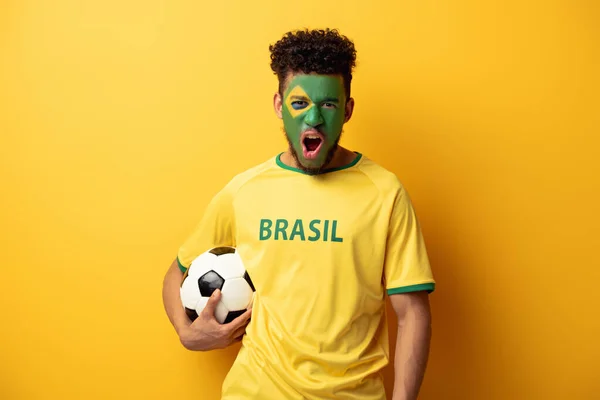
x=218, y=268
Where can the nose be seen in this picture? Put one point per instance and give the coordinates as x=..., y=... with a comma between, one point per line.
x=313, y=117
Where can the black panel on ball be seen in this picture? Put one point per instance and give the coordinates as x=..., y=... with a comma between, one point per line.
x=219, y=251
x=209, y=282
x=233, y=315
x=247, y=278
x=192, y=314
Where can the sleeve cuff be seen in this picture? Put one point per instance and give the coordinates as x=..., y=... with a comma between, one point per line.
x=181, y=267
x=429, y=287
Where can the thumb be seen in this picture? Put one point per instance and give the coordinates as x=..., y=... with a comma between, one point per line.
x=213, y=300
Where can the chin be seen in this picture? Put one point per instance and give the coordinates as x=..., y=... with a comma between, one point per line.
x=312, y=169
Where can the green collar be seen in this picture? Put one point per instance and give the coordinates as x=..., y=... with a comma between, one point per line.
x=353, y=163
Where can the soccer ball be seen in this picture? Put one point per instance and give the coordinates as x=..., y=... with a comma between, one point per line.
x=218, y=268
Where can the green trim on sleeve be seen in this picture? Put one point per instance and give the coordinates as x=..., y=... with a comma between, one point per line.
x=181, y=267
x=429, y=287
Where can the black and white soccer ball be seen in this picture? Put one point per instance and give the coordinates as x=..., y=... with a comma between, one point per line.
x=218, y=268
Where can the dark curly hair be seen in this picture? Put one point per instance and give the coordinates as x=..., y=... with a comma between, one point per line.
x=322, y=51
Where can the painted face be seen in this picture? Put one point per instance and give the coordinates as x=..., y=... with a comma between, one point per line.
x=313, y=117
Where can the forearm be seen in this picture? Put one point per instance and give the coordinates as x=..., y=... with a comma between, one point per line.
x=412, y=353
x=172, y=299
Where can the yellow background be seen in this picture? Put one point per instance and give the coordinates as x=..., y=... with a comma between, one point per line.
x=119, y=120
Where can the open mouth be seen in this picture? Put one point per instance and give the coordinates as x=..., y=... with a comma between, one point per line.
x=311, y=144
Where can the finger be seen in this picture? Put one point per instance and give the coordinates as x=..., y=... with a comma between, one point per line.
x=239, y=332
x=240, y=321
x=211, y=304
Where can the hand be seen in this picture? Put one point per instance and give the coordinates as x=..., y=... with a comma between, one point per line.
x=206, y=333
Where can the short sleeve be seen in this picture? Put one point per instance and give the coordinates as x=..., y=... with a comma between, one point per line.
x=406, y=266
x=216, y=228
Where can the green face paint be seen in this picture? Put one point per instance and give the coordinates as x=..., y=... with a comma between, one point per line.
x=313, y=117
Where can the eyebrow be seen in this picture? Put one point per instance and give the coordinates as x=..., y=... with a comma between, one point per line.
x=296, y=97
x=331, y=100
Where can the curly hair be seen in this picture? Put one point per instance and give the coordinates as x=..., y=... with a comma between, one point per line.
x=321, y=51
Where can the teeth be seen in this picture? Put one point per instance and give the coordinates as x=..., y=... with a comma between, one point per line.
x=313, y=136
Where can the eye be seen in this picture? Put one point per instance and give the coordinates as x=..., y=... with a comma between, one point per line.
x=299, y=104
x=329, y=105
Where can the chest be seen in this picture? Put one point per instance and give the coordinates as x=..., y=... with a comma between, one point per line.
x=314, y=214
x=313, y=239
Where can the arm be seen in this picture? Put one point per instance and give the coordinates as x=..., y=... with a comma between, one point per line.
x=172, y=299
x=215, y=228
x=205, y=333
x=412, y=344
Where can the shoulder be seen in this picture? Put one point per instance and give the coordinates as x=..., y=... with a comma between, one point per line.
x=386, y=181
x=391, y=189
x=242, y=178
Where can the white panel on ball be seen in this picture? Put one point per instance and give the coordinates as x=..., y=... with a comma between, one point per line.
x=190, y=294
x=237, y=294
x=230, y=266
x=221, y=312
x=201, y=304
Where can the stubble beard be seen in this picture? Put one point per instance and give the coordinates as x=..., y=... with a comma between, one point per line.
x=309, y=170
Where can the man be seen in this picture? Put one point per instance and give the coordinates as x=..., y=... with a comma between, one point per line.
x=325, y=233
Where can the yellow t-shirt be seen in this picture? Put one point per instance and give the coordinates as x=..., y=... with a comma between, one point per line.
x=322, y=251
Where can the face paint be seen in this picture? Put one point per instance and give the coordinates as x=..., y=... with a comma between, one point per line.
x=313, y=117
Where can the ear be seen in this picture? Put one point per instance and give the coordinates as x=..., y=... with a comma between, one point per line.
x=349, y=109
x=277, y=104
